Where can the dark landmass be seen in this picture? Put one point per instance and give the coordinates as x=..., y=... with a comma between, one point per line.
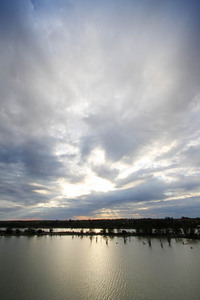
x=168, y=227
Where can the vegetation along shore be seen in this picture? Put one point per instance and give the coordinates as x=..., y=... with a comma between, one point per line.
x=167, y=227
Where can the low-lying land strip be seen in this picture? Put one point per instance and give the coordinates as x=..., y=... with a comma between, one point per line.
x=168, y=227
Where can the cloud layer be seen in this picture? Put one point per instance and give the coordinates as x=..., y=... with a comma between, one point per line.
x=100, y=109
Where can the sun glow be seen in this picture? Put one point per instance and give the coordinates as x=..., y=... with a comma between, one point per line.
x=97, y=156
x=91, y=183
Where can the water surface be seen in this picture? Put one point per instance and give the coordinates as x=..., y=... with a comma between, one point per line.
x=66, y=267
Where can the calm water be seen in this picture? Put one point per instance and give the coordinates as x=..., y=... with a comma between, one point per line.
x=62, y=267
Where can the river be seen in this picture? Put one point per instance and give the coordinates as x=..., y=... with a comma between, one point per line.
x=67, y=267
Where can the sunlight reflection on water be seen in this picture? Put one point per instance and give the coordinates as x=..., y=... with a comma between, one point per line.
x=62, y=267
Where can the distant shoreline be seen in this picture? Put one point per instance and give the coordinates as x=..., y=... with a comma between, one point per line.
x=168, y=227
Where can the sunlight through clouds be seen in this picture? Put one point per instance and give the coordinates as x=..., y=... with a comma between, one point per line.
x=100, y=108
x=90, y=184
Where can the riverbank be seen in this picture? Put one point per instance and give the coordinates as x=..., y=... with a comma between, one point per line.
x=168, y=227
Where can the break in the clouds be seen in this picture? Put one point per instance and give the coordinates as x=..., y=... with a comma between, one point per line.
x=99, y=109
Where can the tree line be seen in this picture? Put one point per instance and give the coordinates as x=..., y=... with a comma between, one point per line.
x=187, y=227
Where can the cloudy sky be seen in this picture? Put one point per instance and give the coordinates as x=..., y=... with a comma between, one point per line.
x=99, y=109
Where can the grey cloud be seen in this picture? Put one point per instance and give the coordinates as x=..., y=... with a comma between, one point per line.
x=182, y=207
x=80, y=75
x=186, y=183
x=105, y=171
x=142, y=174
x=152, y=192
x=35, y=156
x=152, y=189
x=191, y=156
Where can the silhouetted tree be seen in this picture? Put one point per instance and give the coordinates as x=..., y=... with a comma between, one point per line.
x=17, y=231
x=9, y=231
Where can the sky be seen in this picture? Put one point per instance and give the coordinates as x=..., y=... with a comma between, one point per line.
x=99, y=109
